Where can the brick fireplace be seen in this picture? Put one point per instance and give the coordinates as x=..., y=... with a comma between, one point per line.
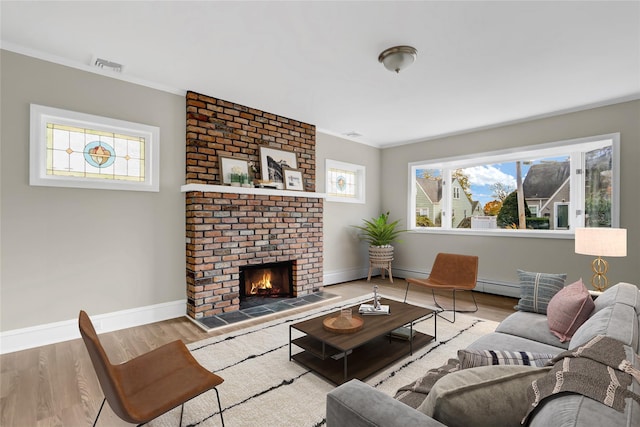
x=228, y=228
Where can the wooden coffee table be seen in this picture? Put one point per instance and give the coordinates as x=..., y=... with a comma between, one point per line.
x=342, y=357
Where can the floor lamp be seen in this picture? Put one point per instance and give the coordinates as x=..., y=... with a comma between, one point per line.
x=601, y=242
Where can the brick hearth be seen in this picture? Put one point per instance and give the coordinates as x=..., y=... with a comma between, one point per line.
x=227, y=229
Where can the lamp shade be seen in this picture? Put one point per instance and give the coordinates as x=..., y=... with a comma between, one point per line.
x=601, y=241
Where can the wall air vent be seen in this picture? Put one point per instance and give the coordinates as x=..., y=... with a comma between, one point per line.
x=352, y=134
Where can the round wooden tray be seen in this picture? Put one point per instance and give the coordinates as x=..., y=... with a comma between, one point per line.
x=340, y=325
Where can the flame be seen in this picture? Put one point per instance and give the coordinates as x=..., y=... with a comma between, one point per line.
x=264, y=283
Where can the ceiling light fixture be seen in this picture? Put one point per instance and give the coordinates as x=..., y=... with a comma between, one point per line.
x=398, y=57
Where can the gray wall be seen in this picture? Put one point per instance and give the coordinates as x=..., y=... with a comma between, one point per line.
x=66, y=249
x=345, y=255
x=501, y=256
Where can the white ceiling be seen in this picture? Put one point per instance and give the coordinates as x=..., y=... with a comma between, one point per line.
x=479, y=63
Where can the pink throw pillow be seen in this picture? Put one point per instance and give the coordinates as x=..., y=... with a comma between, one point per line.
x=568, y=310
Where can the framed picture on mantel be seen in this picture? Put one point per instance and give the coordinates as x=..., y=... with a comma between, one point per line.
x=272, y=163
x=233, y=171
x=293, y=179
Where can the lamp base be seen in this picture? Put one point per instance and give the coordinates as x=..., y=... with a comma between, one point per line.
x=599, y=280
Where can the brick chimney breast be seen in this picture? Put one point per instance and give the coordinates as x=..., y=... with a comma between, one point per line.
x=226, y=230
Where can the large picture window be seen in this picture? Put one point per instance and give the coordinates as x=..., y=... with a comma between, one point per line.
x=564, y=185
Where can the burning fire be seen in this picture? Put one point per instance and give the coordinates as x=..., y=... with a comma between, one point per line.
x=262, y=284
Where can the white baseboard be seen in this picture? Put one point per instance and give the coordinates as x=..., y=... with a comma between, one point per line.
x=491, y=286
x=341, y=276
x=51, y=333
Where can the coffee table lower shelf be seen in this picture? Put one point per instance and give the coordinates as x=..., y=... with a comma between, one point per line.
x=361, y=363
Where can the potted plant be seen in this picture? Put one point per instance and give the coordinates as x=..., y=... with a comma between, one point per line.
x=380, y=233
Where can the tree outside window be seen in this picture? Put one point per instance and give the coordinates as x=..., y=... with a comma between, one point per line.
x=565, y=185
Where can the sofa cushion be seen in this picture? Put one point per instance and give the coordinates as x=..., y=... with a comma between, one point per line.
x=537, y=289
x=568, y=310
x=356, y=404
x=532, y=326
x=474, y=358
x=486, y=396
x=617, y=321
x=624, y=293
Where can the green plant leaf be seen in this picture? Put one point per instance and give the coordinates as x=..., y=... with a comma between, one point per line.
x=378, y=231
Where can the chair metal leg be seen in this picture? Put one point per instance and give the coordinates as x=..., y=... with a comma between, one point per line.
x=182, y=412
x=219, y=406
x=406, y=292
x=99, y=411
x=454, y=306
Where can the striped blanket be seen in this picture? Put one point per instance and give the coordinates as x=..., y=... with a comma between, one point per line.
x=598, y=369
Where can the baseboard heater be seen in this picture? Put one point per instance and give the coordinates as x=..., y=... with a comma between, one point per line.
x=499, y=288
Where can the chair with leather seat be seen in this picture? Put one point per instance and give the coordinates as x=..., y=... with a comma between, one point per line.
x=151, y=384
x=450, y=272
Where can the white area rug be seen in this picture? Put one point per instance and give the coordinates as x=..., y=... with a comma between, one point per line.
x=263, y=388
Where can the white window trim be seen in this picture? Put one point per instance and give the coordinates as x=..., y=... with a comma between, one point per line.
x=41, y=115
x=359, y=172
x=513, y=154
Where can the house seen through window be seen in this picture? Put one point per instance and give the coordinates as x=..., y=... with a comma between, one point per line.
x=564, y=185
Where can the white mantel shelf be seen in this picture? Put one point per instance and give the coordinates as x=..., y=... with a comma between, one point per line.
x=250, y=190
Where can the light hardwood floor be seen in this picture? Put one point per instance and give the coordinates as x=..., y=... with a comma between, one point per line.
x=55, y=385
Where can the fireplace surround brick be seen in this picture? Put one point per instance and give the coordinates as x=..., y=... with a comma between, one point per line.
x=225, y=231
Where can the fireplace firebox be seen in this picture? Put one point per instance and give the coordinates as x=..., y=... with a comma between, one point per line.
x=260, y=284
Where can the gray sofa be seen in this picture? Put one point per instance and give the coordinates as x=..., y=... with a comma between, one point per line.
x=616, y=315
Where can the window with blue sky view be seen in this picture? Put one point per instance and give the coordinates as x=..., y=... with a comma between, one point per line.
x=564, y=184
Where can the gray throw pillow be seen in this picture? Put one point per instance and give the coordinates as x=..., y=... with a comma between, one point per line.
x=488, y=396
x=537, y=289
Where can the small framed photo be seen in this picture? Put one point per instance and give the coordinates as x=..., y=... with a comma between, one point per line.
x=273, y=161
x=233, y=171
x=293, y=179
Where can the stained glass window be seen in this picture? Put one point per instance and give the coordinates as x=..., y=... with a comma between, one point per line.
x=345, y=182
x=89, y=153
x=71, y=149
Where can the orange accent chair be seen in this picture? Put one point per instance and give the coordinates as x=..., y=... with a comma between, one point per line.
x=151, y=384
x=450, y=272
